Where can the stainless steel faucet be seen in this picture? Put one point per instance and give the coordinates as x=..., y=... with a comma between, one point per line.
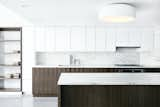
x=74, y=61
x=71, y=59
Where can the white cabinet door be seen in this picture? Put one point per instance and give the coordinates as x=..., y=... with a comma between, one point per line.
x=111, y=40
x=157, y=40
x=134, y=37
x=39, y=39
x=147, y=40
x=62, y=36
x=77, y=38
x=50, y=39
x=44, y=39
x=100, y=43
x=122, y=37
x=90, y=38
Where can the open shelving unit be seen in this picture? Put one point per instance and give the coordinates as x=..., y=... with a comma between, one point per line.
x=11, y=59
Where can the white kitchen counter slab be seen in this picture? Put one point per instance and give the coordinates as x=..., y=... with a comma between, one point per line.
x=94, y=66
x=109, y=79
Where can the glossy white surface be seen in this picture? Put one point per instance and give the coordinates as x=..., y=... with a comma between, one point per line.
x=94, y=66
x=109, y=79
x=28, y=101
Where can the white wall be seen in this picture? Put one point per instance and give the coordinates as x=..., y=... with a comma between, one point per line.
x=28, y=58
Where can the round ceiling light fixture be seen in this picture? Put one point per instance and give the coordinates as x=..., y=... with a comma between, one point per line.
x=117, y=13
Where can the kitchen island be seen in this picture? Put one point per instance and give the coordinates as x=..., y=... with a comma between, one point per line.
x=109, y=90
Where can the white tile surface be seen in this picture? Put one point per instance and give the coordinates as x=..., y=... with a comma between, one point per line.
x=28, y=101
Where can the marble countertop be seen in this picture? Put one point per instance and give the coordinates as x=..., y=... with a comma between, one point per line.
x=109, y=79
x=94, y=66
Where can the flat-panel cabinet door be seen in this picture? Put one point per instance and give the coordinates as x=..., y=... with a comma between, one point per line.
x=135, y=37
x=40, y=39
x=100, y=43
x=147, y=40
x=122, y=37
x=157, y=41
x=62, y=38
x=45, y=39
x=77, y=38
x=111, y=40
x=90, y=38
x=50, y=39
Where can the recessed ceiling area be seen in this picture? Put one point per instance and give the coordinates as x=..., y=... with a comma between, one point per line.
x=51, y=12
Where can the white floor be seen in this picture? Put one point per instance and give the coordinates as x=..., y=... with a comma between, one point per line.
x=28, y=101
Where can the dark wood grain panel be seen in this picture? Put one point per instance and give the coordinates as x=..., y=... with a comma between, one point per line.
x=109, y=96
x=44, y=82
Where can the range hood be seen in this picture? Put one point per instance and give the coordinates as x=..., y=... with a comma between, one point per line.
x=127, y=56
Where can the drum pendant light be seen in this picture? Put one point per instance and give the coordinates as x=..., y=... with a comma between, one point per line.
x=117, y=13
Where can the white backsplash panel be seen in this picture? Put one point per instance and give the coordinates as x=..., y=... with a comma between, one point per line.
x=87, y=58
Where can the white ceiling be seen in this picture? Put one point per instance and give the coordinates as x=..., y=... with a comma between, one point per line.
x=50, y=12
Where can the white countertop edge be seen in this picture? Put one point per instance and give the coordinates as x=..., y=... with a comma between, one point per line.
x=93, y=66
x=109, y=79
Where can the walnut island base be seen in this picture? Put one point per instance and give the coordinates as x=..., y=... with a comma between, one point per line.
x=86, y=92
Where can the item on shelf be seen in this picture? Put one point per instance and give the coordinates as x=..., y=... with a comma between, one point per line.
x=1, y=76
x=16, y=75
x=11, y=76
x=16, y=51
x=16, y=63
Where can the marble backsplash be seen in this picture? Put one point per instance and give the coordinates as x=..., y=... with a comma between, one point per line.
x=88, y=58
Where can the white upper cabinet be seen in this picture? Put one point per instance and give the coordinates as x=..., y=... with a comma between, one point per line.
x=128, y=37
x=77, y=38
x=100, y=42
x=40, y=39
x=62, y=38
x=90, y=38
x=93, y=39
x=157, y=41
x=135, y=37
x=147, y=42
x=122, y=37
x=110, y=40
x=44, y=39
x=50, y=39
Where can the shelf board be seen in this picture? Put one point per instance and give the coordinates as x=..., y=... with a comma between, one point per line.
x=4, y=78
x=10, y=65
x=10, y=90
x=10, y=53
x=10, y=40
